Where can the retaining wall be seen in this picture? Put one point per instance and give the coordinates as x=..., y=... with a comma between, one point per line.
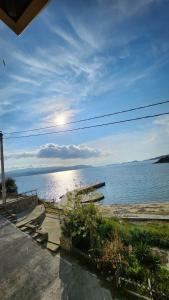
x=21, y=204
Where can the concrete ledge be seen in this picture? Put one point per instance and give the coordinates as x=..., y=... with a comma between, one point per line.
x=36, y=215
x=20, y=204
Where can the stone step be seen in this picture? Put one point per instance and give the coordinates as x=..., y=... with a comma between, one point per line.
x=40, y=239
x=9, y=217
x=14, y=221
x=35, y=235
x=4, y=214
x=43, y=233
x=19, y=226
x=52, y=247
x=31, y=226
x=28, y=231
x=23, y=228
x=13, y=215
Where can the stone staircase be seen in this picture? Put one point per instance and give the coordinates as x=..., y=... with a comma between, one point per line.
x=39, y=235
x=32, y=226
x=6, y=213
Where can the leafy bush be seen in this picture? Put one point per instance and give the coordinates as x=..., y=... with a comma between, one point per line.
x=133, y=269
x=146, y=257
x=10, y=185
x=160, y=282
x=80, y=224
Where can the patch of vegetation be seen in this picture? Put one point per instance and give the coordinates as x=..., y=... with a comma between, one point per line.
x=10, y=185
x=152, y=234
x=119, y=249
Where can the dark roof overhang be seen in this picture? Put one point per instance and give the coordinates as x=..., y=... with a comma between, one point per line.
x=17, y=14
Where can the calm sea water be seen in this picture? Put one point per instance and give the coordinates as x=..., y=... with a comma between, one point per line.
x=137, y=183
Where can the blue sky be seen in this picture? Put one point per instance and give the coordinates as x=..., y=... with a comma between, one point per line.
x=79, y=59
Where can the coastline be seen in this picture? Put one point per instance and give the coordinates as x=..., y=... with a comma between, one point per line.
x=148, y=208
x=149, y=211
x=156, y=211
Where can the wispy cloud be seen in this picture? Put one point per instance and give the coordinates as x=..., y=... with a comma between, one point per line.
x=164, y=122
x=86, y=54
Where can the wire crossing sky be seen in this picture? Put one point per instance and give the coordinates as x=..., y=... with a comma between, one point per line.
x=92, y=118
x=93, y=60
x=87, y=127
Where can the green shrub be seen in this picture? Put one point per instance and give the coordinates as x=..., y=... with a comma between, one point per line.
x=134, y=270
x=160, y=282
x=80, y=224
x=106, y=229
x=10, y=185
x=146, y=257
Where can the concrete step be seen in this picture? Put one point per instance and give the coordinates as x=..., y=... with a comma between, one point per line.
x=52, y=247
x=43, y=233
x=31, y=226
x=10, y=218
x=2, y=209
x=14, y=221
x=35, y=235
x=13, y=215
x=19, y=226
x=40, y=239
x=4, y=214
x=28, y=231
x=23, y=228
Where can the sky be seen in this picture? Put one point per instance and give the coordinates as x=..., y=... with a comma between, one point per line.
x=80, y=59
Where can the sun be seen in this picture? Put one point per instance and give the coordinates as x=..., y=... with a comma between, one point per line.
x=61, y=120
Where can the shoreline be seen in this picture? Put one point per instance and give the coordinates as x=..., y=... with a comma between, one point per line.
x=138, y=210
x=144, y=211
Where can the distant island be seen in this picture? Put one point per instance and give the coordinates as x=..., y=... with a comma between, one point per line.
x=163, y=159
x=44, y=170
x=53, y=169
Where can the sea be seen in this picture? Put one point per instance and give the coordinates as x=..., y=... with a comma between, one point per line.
x=125, y=183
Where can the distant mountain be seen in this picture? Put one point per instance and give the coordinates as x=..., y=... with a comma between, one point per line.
x=163, y=159
x=44, y=170
x=157, y=159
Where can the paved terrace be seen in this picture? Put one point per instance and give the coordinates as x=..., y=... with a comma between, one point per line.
x=29, y=272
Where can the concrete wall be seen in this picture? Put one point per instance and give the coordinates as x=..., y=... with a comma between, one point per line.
x=21, y=204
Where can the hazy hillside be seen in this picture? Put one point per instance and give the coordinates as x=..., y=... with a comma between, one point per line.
x=34, y=171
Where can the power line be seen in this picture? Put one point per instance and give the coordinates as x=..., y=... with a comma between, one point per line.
x=91, y=118
x=87, y=127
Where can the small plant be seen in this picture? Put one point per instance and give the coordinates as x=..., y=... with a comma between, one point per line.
x=146, y=257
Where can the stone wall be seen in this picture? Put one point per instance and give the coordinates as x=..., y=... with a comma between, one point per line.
x=22, y=203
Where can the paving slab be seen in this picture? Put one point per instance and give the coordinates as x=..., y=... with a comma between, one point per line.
x=52, y=247
x=51, y=224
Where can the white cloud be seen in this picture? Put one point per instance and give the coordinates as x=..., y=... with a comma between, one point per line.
x=52, y=151
x=21, y=155
x=67, y=152
x=164, y=122
x=23, y=79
